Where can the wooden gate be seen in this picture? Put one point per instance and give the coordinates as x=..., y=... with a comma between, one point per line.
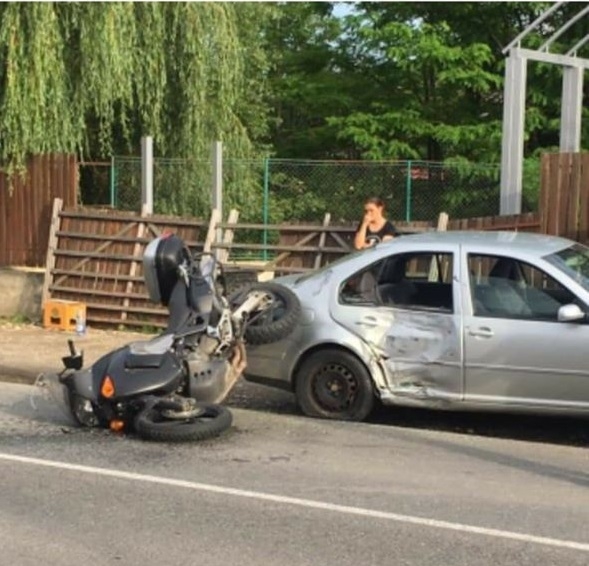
x=96, y=258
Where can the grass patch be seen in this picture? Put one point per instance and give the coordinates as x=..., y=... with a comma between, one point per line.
x=15, y=319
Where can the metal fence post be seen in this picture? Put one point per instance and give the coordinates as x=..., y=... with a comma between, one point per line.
x=266, y=204
x=408, y=193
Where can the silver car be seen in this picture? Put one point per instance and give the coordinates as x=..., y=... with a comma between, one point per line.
x=445, y=320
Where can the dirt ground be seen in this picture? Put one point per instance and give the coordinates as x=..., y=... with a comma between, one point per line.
x=26, y=350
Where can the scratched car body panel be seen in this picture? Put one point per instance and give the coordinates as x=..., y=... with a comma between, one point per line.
x=453, y=320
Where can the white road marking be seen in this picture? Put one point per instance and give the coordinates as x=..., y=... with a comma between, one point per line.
x=307, y=503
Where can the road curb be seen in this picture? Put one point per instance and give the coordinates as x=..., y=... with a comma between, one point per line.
x=18, y=375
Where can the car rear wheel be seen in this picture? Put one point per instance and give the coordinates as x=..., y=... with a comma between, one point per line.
x=333, y=384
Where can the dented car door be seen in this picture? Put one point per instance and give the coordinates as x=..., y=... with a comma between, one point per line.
x=407, y=308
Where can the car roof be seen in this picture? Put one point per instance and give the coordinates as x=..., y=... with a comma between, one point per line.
x=535, y=244
x=492, y=242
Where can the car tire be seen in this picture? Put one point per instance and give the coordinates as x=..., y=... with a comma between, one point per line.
x=334, y=384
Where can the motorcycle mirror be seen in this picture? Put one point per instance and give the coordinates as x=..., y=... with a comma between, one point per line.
x=74, y=361
x=72, y=347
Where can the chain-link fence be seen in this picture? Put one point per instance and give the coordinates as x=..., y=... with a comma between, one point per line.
x=412, y=190
x=281, y=190
x=182, y=187
x=95, y=182
x=272, y=191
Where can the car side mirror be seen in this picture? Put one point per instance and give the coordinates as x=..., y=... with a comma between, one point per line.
x=570, y=313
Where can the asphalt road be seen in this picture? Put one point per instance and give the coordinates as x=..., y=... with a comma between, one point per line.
x=282, y=489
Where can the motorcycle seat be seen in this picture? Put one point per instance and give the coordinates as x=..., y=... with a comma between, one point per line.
x=144, y=361
x=158, y=345
x=148, y=353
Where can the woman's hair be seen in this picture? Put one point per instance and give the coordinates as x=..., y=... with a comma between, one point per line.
x=376, y=201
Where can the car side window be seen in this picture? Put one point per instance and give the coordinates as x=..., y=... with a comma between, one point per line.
x=419, y=281
x=362, y=287
x=507, y=288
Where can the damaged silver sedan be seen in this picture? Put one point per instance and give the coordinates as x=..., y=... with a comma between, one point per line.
x=445, y=320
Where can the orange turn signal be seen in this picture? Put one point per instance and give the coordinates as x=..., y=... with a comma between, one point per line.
x=117, y=426
x=108, y=388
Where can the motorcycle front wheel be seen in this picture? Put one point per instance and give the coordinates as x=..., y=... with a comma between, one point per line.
x=158, y=424
x=275, y=322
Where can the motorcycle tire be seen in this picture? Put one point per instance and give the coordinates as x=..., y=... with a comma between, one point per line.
x=150, y=424
x=283, y=321
x=237, y=280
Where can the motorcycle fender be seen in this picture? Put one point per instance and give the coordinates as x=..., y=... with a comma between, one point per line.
x=82, y=383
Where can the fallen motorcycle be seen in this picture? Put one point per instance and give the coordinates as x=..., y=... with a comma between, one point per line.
x=170, y=388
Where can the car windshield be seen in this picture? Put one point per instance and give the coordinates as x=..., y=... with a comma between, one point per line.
x=574, y=261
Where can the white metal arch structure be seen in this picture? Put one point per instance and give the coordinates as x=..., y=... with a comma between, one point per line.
x=514, y=101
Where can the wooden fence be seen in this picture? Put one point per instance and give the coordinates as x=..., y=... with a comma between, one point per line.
x=528, y=222
x=95, y=256
x=25, y=212
x=297, y=248
x=302, y=248
x=564, y=195
x=25, y=206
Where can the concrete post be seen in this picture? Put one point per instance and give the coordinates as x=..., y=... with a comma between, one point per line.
x=571, y=109
x=512, y=150
x=217, y=187
x=147, y=174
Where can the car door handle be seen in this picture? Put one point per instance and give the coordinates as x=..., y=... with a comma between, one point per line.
x=369, y=321
x=481, y=332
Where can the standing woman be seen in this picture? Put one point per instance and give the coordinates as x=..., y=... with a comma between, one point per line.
x=374, y=227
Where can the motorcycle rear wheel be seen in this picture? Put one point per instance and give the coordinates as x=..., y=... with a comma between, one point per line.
x=212, y=420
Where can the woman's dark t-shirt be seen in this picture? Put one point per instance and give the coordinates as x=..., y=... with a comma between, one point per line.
x=388, y=229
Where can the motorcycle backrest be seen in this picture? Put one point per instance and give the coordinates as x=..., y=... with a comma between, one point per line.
x=161, y=260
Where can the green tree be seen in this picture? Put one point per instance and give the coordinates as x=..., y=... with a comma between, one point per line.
x=441, y=68
x=93, y=77
x=429, y=97
x=311, y=80
x=410, y=79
